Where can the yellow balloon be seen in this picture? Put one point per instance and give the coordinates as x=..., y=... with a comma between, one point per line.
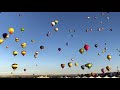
x=23, y=45
x=11, y=30
x=76, y=64
x=1, y=40
x=14, y=66
x=70, y=64
x=109, y=57
x=23, y=52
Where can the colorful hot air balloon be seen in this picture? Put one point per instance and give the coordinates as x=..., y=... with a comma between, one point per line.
x=23, y=45
x=81, y=50
x=22, y=29
x=17, y=39
x=83, y=67
x=86, y=47
x=14, y=66
x=11, y=30
x=15, y=53
x=23, y=52
x=70, y=64
x=108, y=68
x=109, y=57
x=62, y=65
x=76, y=64
x=1, y=40
x=5, y=35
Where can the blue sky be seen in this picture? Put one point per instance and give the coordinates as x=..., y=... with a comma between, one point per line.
x=37, y=24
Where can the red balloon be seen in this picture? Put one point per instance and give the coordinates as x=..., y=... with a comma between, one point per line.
x=86, y=47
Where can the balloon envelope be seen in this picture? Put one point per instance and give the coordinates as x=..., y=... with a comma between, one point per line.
x=14, y=66
x=11, y=30
x=70, y=64
x=86, y=47
x=62, y=65
x=15, y=53
x=5, y=35
x=1, y=40
x=109, y=57
x=23, y=52
x=41, y=47
x=81, y=50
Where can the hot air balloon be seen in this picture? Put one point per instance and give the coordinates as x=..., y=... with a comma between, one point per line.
x=88, y=17
x=48, y=34
x=59, y=49
x=56, y=21
x=67, y=44
x=88, y=65
x=90, y=29
x=53, y=23
x=22, y=29
x=102, y=14
x=17, y=39
x=105, y=48
x=56, y=29
x=23, y=45
x=95, y=17
x=110, y=29
x=86, y=30
x=86, y=47
x=11, y=30
x=108, y=18
x=24, y=69
x=15, y=53
x=35, y=56
x=108, y=68
x=81, y=50
x=109, y=57
x=83, y=67
x=7, y=47
x=62, y=65
x=103, y=70
x=14, y=66
x=5, y=35
x=70, y=64
x=76, y=64
x=41, y=47
x=99, y=29
x=72, y=59
x=32, y=40
x=96, y=45
x=1, y=40
x=36, y=53
x=23, y=52
x=99, y=54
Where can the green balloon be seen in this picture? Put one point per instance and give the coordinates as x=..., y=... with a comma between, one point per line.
x=22, y=29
